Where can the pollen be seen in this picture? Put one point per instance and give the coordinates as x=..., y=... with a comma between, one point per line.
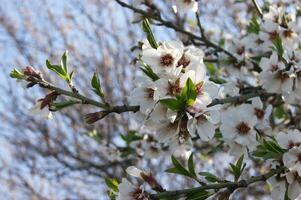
x=288, y=33
x=174, y=88
x=167, y=60
x=184, y=61
x=259, y=113
x=149, y=93
x=282, y=77
x=243, y=128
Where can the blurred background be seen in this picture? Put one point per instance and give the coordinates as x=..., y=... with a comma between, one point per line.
x=43, y=159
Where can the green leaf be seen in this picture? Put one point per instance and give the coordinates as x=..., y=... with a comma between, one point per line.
x=198, y=195
x=57, y=69
x=172, y=104
x=147, y=70
x=211, y=68
x=17, y=74
x=253, y=26
x=238, y=168
x=130, y=137
x=191, y=165
x=150, y=36
x=279, y=112
x=189, y=93
x=210, y=177
x=95, y=83
x=64, y=62
x=112, y=184
x=178, y=168
x=61, y=105
x=217, y=80
x=62, y=69
x=269, y=149
x=278, y=46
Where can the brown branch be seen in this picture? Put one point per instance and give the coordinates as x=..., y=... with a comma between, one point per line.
x=169, y=24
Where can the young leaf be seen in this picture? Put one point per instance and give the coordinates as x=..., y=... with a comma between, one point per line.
x=189, y=92
x=62, y=69
x=198, y=195
x=16, y=74
x=268, y=149
x=238, y=168
x=112, y=184
x=253, y=26
x=57, y=69
x=191, y=165
x=147, y=70
x=210, y=177
x=178, y=168
x=64, y=62
x=278, y=46
x=95, y=83
x=172, y=104
x=211, y=68
x=61, y=105
x=149, y=34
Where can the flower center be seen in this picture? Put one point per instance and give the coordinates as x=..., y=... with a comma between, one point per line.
x=259, y=41
x=243, y=128
x=259, y=113
x=174, y=89
x=282, y=77
x=240, y=50
x=274, y=67
x=149, y=93
x=166, y=60
x=198, y=87
x=137, y=194
x=184, y=61
x=288, y=33
x=273, y=35
x=292, y=144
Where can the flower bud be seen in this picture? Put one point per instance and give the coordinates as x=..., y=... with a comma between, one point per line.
x=31, y=72
x=94, y=117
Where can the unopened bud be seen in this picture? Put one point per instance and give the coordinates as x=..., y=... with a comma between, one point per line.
x=31, y=72
x=94, y=117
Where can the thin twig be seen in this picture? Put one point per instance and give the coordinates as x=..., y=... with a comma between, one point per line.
x=169, y=24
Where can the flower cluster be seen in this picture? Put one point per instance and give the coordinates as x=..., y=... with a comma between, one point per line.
x=185, y=96
x=179, y=101
x=175, y=95
x=291, y=142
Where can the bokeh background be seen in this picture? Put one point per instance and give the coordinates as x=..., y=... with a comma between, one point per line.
x=42, y=159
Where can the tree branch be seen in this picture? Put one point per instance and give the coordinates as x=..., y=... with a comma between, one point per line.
x=232, y=185
x=169, y=24
x=126, y=108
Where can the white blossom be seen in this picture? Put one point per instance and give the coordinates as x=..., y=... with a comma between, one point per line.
x=237, y=127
